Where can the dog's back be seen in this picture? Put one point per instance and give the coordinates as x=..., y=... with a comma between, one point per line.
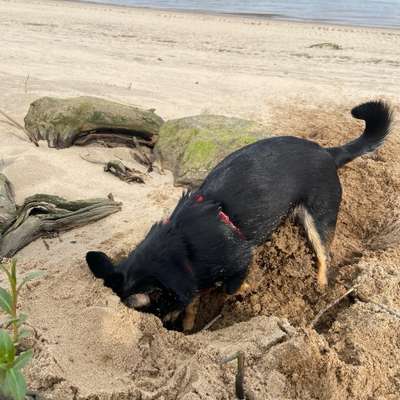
x=262, y=183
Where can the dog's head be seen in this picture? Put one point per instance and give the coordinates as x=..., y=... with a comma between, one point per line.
x=155, y=278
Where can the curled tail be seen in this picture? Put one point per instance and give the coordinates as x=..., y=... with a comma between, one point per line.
x=378, y=118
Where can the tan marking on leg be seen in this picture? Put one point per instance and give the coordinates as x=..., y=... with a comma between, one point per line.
x=244, y=287
x=318, y=246
x=172, y=316
x=190, y=314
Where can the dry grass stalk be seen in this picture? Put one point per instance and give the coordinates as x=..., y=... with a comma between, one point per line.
x=19, y=126
x=316, y=319
x=364, y=299
x=212, y=322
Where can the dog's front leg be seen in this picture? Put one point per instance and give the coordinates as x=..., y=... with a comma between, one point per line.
x=172, y=316
x=190, y=314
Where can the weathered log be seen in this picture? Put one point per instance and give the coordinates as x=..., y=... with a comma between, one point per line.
x=111, y=139
x=43, y=214
x=82, y=120
x=8, y=209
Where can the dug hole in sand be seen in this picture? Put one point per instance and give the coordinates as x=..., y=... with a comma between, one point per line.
x=90, y=346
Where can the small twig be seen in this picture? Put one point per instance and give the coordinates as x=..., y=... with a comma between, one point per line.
x=241, y=393
x=212, y=322
x=331, y=305
x=34, y=330
x=147, y=160
x=365, y=299
x=19, y=126
x=119, y=169
x=92, y=161
x=58, y=236
x=140, y=162
x=45, y=244
x=123, y=172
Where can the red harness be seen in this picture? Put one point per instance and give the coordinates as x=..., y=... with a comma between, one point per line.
x=223, y=218
x=221, y=215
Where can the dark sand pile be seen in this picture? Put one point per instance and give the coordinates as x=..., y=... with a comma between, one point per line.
x=89, y=346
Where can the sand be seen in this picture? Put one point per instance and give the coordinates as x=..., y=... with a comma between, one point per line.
x=89, y=346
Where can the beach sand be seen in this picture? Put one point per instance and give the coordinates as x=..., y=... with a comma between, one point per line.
x=295, y=78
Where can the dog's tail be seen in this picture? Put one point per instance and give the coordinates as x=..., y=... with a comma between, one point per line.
x=378, y=117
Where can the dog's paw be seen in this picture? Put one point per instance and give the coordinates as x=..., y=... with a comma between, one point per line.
x=244, y=288
x=322, y=280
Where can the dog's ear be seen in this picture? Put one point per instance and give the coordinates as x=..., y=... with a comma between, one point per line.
x=100, y=264
x=103, y=268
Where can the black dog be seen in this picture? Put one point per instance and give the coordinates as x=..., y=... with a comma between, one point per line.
x=209, y=237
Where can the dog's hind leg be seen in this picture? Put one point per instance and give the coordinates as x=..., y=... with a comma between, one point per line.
x=320, y=225
x=190, y=314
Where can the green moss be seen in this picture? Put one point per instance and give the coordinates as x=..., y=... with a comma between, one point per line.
x=173, y=139
x=244, y=140
x=96, y=117
x=192, y=146
x=200, y=154
x=65, y=120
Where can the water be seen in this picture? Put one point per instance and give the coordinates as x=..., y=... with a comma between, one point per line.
x=381, y=13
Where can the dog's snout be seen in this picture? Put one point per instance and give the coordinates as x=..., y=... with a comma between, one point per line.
x=138, y=300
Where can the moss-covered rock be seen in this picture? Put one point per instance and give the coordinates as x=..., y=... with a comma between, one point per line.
x=79, y=120
x=192, y=146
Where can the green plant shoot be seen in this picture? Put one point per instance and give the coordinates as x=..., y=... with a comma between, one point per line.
x=12, y=381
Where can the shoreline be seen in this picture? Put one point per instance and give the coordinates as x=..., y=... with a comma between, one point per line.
x=116, y=51
x=250, y=15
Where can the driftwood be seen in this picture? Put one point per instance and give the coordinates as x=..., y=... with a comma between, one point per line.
x=43, y=214
x=149, y=161
x=121, y=171
x=111, y=138
x=83, y=120
x=143, y=158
